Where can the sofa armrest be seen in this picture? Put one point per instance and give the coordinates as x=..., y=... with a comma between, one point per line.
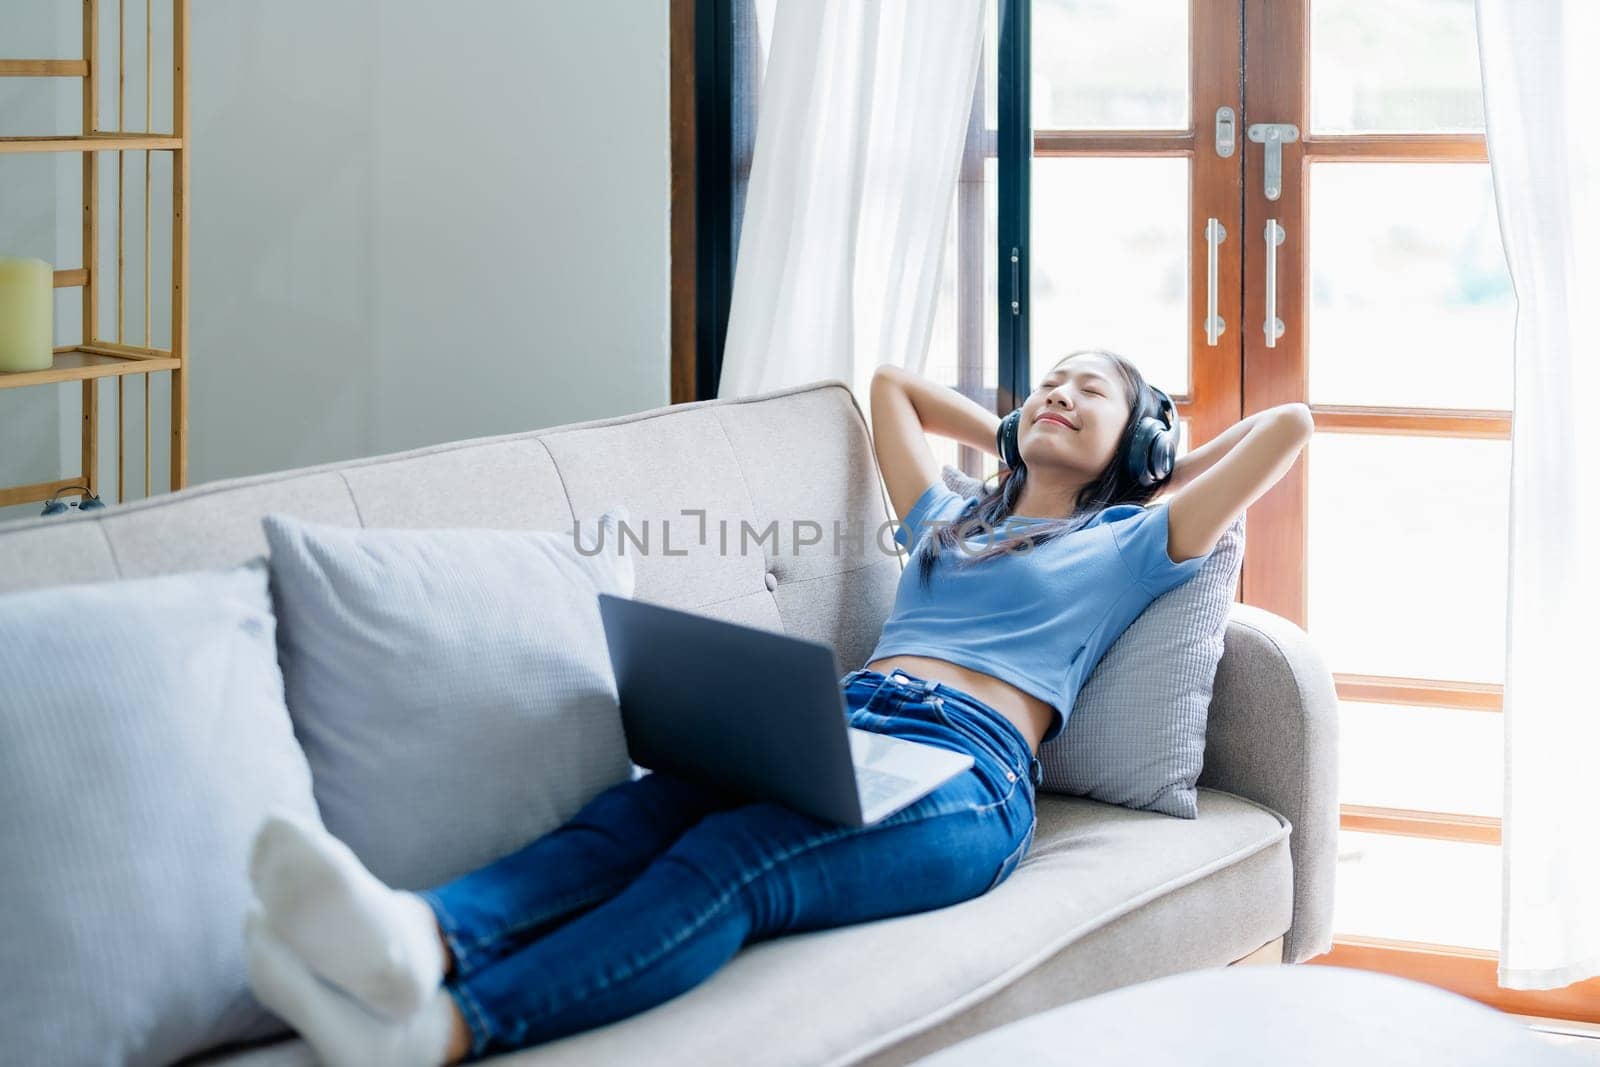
x=1272, y=736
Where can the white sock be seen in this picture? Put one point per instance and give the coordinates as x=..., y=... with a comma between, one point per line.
x=339, y=1029
x=378, y=944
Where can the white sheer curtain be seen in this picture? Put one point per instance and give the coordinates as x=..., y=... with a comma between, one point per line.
x=863, y=110
x=1541, y=97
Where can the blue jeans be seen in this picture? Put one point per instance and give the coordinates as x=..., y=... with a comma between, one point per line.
x=656, y=883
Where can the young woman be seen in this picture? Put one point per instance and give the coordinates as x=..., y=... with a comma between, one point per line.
x=657, y=882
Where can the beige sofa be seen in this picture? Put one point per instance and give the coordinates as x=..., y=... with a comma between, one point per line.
x=1107, y=897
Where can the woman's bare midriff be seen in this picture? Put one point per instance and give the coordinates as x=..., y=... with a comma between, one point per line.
x=1027, y=712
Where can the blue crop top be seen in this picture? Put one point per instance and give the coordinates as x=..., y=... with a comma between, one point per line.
x=1040, y=618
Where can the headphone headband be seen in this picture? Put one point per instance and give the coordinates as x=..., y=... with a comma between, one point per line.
x=1151, y=453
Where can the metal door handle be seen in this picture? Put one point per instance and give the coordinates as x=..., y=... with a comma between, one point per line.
x=1215, y=235
x=1273, y=325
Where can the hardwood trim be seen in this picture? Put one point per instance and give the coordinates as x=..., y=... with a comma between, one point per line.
x=44, y=68
x=76, y=363
x=1215, y=399
x=108, y=348
x=1428, y=692
x=1101, y=143
x=179, y=432
x=1408, y=822
x=1399, y=147
x=1276, y=65
x=89, y=434
x=1423, y=422
x=681, y=89
x=71, y=279
x=1470, y=972
x=94, y=142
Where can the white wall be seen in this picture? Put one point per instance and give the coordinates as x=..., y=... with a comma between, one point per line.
x=415, y=222
x=411, y=222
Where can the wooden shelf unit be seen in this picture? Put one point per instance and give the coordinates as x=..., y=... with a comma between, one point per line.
x=93, y=142
x=97, y=357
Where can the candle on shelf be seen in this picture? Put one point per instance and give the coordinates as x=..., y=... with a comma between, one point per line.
x=26, y=315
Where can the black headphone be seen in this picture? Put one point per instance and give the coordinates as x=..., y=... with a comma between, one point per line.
x=1151, y=454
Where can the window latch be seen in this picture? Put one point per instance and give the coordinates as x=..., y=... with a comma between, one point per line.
x=1274, y=135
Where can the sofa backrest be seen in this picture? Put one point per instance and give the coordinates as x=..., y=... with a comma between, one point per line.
x=764, y=511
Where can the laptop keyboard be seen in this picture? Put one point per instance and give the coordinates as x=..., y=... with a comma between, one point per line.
x=877, y=786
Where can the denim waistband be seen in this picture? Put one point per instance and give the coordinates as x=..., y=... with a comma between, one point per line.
x=923, y=688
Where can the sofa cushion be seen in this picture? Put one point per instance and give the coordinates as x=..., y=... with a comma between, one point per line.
x=1169, y=894
x=1137, y=732
x=451, y=687
x=143, y=735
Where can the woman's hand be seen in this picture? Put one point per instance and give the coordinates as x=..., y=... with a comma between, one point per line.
x=906, y=407
x=943, y=411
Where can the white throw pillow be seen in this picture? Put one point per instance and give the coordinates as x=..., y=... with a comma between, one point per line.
x=143, y=737
x=451, y=687
x=1137, y=733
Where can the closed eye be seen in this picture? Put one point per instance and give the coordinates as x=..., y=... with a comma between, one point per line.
x=1052, y=385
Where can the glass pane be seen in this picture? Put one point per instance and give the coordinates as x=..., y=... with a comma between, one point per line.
x=1397, y=65
x=1414, y=889
x=1407, y=554
x=1411, y=302
x=1098, y=65
x=1426, y=759
x=1117, y=276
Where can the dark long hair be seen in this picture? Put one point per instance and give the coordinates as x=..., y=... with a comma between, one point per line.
x=989, y=512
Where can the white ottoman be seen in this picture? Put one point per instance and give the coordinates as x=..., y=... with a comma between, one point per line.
x=1309, y=1016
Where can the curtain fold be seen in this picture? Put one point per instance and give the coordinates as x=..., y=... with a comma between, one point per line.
x=864, y=110
x=1541, y=94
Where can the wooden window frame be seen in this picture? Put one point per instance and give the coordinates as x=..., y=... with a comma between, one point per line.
x=1275, y=571
x=1221, y=393
x=711, y=142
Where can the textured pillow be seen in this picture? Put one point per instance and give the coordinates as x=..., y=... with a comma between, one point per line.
x=451, y=687
x=143, y=736
x=1137, y=733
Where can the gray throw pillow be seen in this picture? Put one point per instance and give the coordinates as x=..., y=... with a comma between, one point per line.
x=1137, y=733
x=143, y=736
x=451, y=687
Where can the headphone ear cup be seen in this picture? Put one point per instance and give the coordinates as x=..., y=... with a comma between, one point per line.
x=1005, y=439
x=1164, y=445
x=1155, y=440
x=1141, y=452
x=90, y=502
x=1162, y=451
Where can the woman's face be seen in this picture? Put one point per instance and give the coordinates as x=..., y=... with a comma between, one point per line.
x=1075, y=416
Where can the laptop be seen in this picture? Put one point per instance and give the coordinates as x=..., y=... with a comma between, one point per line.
x=757, y=713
